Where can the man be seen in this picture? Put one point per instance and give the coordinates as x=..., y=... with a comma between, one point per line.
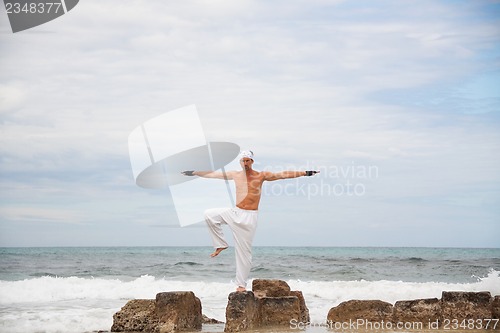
x=242, y=219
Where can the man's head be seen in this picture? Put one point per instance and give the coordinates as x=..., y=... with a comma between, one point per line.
x=246, y=159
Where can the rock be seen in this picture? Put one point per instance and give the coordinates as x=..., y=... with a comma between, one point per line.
x=178, y=311
x=419, y=310
x=270, y=303
x=368, y=310
x=136, y=315
x=461, y=305
x=270, y=288
x=453, y=310
x=279, y=311
x=278, y=288
x=170, y=312
x=495, y=308
x=304, y=311
x=206, y=320
x=241, y=312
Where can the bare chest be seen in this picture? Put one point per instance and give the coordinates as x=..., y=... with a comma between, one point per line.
x=249, y=183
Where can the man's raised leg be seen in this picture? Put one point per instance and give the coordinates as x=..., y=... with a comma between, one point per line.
x=217, y=251
x=214, y=222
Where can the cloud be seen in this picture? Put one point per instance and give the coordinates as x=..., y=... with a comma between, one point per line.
x=319, y=82
x=11, y=97
x=39, y=215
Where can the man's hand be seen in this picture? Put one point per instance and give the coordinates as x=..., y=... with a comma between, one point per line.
x=188, y=173
x=311, y=173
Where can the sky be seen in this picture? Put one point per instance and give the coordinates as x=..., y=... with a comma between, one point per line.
x=397, y=103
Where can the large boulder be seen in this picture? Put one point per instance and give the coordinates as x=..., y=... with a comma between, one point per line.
x=495, y=308
x=169, y=312
x=178, y=311
x=242, y=312
x=279, y=311
x=138, y=315
x=452, y=311
x=270, y=288
x=304, y=311
x=270, y=303
x=417, y=311
x=276, y=289
x=361, y=310
x=460, y=305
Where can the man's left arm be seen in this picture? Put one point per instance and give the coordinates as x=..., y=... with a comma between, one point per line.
x=270, y=176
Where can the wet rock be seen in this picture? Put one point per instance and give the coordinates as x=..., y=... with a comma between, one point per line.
x=169, y=312
x=178, y=311
x=137, y=315
x=495, y=308
x=454, y=310
x=368, y=310
x=270, y=288
x=271, y=303
x=419, y=310
x=462, y=305
x=304, y=311
x=241, y=312
x=206, y=320
x=278, y=311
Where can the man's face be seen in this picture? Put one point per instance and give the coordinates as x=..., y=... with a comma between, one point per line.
x=246, y=163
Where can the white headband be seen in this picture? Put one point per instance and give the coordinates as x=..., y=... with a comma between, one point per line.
x=246, y=154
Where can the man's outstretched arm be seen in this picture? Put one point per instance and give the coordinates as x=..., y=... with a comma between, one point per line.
x=209, y=174
x=270, y=176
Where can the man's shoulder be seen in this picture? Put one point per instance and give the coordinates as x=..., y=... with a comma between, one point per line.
x=263, y=174
x=234, y=173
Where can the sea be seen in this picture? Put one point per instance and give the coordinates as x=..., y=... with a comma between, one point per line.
x=78, y=289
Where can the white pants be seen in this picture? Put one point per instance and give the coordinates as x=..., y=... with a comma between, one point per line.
x=243, y=224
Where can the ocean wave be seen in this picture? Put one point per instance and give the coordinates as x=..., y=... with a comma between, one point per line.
x=53, y=288
x=414, y=259
x=76, y=304
x=41, y=274
x=187, y=263
x=358, y=259
x=453, y=261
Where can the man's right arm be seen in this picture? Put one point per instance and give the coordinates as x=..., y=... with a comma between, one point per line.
x=209, y=174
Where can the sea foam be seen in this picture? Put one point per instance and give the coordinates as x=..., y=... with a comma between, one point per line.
x=73, y=304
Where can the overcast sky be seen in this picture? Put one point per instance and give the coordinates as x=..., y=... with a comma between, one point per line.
x=396, y=102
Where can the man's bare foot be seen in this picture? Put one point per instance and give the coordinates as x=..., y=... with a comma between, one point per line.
x=240, y=289
x=217, y=251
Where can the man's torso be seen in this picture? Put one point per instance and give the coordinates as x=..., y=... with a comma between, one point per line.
x=248, y=189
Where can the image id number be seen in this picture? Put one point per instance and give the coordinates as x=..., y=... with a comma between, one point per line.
x=33, y=7
x=470, y=324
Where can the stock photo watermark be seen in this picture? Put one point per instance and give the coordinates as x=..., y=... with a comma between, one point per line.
x=349, y=180
x=26, y=14
x=365, y=325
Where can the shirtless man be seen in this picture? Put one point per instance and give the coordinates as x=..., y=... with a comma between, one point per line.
x=242, y=219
